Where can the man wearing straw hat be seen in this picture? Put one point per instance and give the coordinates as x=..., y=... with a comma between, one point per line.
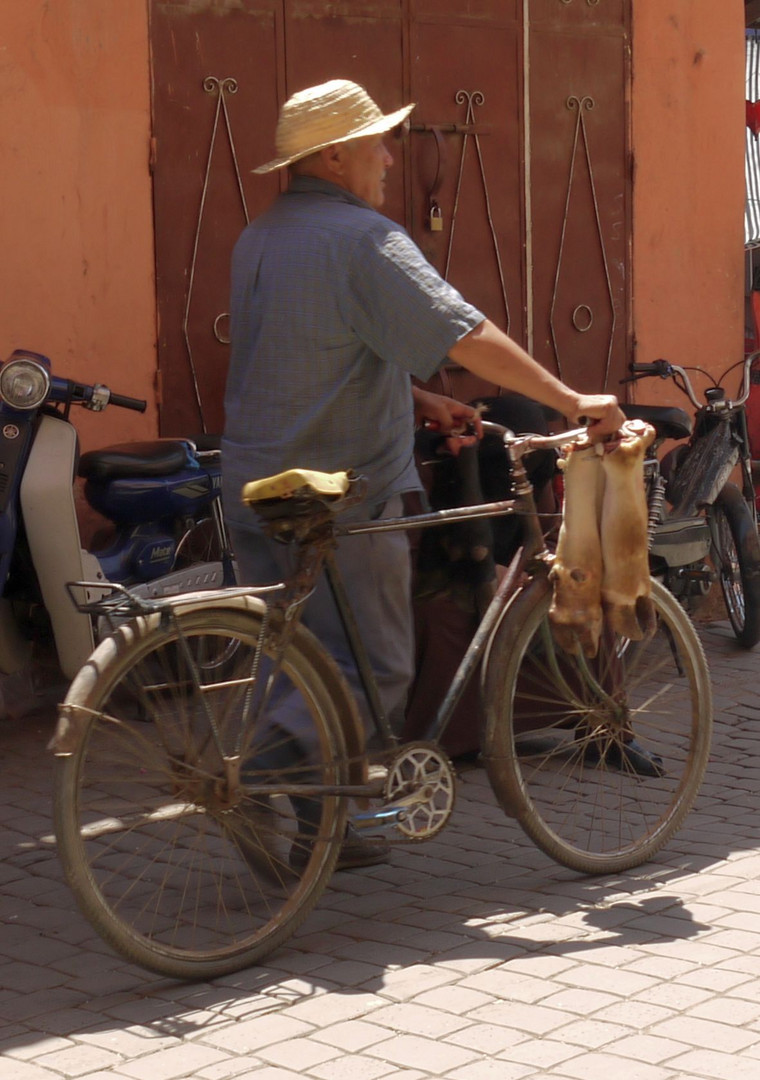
x=333, y=310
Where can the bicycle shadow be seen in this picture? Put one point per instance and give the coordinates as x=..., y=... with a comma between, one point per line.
x=361, y=960
x=479, y=901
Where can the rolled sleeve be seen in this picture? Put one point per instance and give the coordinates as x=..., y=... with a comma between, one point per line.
x=400, y=306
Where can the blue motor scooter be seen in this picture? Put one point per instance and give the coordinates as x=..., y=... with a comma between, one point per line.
x=161, y=498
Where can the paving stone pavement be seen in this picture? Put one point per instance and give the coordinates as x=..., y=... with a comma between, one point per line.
x=470, y=957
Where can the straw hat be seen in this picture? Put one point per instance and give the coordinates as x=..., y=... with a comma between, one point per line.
x=320, y=116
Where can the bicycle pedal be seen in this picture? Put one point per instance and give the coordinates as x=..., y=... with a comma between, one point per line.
x=697, y=573
x=380, y=820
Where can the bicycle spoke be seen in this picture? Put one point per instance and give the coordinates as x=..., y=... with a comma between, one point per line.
x=599, y=758
x=180, y=813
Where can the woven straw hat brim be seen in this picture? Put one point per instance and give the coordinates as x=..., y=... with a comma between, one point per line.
x=375, y=127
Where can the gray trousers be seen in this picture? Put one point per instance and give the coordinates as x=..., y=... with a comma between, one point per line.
x=376, y=571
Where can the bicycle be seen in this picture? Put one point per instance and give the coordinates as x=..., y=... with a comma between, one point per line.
x=197, y=834
x=709, y=516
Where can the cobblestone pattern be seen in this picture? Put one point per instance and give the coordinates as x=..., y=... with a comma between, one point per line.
x=471, y=957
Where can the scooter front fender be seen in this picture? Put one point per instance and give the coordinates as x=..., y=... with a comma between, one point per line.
x=682, y=540
x=52, y=529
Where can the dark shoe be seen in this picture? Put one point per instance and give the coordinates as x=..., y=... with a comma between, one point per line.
x=641, y=761
x=355, y=851
x=629, y=757
x=358, y=850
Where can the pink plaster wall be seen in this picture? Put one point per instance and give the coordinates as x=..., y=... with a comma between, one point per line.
x=688, y=200
x=77, y=272
x=76, y=278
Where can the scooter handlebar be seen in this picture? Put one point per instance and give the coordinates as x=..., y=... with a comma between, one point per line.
x=96, y=397
x=136, y=404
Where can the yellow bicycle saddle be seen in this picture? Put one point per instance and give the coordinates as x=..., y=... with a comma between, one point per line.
x=296, y=481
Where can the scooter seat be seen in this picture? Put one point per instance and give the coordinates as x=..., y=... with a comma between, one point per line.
x=161, y=457
x=205, y=442
x=669, y=421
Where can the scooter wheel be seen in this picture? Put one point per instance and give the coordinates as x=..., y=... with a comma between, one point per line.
x=736, y=553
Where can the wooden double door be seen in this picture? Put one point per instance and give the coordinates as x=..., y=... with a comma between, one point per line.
x=513, y=178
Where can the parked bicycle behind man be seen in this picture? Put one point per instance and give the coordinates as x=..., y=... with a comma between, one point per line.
x=333, y=310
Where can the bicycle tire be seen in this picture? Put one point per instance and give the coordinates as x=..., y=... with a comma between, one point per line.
x=556, y=748
x=179, y=872
x=736, y=553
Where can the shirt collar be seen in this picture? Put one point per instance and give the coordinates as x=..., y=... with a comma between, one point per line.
x=301, y=184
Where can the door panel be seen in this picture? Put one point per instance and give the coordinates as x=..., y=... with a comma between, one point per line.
x=467, y=162
x=541, y=246
x=492, y=12
x=579, y=194
x=579, y=14
x=366, y=47
x=203, y=80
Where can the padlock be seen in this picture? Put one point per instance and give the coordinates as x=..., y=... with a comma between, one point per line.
x=436, y=218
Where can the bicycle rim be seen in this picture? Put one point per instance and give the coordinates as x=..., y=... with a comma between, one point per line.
x=181, y=869
x=558, y=734
x=200, y=543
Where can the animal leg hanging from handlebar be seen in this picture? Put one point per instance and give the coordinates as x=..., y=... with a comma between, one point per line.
x=601, y=566
x=576, y=611
x=624, y=535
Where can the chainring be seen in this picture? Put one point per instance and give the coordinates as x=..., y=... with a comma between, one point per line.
x=421, y=769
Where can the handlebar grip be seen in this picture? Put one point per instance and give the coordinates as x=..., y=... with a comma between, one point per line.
x=123, y=402
x=663, y=368
x=648, y=369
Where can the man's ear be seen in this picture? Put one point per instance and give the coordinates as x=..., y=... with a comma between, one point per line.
x=332, y=157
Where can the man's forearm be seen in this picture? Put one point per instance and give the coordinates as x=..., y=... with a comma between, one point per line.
x=488, y=352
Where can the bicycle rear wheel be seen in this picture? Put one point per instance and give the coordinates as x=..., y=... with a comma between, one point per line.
x=557, y=741
x=186, y=817
x=736, y=553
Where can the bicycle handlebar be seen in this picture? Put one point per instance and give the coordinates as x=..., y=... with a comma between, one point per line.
x=522, y=444
x=665, y=370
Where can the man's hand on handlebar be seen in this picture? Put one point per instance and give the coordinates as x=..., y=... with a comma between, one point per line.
x=460, y=422
x=604, y=413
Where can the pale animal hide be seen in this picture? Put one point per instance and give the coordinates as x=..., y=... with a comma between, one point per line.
x=601, y=568
x=624, y=534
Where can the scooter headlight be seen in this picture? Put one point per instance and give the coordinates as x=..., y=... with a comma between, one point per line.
x=24, y=384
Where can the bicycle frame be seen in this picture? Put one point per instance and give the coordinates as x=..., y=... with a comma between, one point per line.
x=180, y=698
x=315, y=545
x=530, y=552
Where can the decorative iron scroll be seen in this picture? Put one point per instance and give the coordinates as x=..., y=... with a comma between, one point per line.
x=221, y=87
x=582, y=317
x=470, y=131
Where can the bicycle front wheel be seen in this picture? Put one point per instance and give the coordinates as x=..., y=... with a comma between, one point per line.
x=197, y=817
x=599, y=760
x=736, y=553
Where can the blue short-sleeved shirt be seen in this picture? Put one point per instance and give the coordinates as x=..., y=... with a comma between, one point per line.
x=333, y=307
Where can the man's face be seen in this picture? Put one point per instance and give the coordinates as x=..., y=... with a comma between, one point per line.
x=365, y=163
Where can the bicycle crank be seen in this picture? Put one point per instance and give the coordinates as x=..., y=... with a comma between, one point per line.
x=421, y=786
